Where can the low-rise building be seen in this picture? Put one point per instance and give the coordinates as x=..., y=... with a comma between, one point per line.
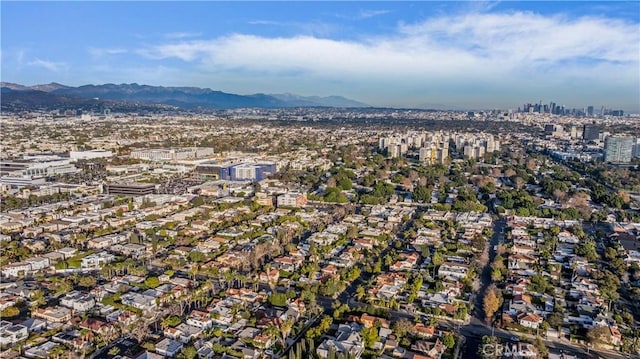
x=292, y=199
x=346, y=340
x=11, y=334
x=53, y=314
x=78, y=301
x=97, y=260
x=168, y=347
x=18, y=269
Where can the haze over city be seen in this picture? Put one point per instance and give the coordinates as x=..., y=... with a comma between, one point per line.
x=469, y=55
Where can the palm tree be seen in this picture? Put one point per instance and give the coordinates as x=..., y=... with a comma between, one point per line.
x=57, y=351
x=285, y=330
x=84, y=334
x=272, y=331
x=166, y=322
x=574, y=267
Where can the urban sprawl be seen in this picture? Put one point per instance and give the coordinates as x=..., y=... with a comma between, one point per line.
x=320, y=233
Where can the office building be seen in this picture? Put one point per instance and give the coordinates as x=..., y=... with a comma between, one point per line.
x=172, y=154
x=236, y=172
x=252, y=172
x=618, y=149
x=591, y=132
x=88, y=155
x=636, y=148
x=38, y=166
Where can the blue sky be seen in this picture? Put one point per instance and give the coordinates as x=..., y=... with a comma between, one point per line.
x=407, y=54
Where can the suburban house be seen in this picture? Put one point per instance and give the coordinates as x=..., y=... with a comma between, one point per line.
x=530, y=320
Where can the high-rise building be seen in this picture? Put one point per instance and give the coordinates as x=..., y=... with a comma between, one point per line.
x=591, y=132
x=636, y=148
x=428, y=154
x=618, y=149
x=590, y=111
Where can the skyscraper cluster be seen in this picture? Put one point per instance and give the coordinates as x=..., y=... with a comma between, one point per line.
x=555, y=109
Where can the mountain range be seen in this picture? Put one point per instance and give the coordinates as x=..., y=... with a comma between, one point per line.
x=55, y=94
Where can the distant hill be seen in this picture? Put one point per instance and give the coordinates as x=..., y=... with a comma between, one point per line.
x=49, y=87
x=15, y=87
x=184, y=97
x=12, y=100
x=26, y=97
x=329, y=101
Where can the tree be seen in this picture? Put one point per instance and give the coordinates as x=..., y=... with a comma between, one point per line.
x=542, y=349
x=609, y=286
x=360, y=292
x=544, y=326
x=599, y=335
x=9, y=312
x=437, y=259
x=587, y=248
x=85, y=334
x=610, y=253
x=152, y=282
x=87, y=281
x=448, y=340
x=491, y=302
x=56, y=351
x=285, y=330
x=402, y=326
x=170, y=321
x=196, y=256
x=370, y=336
x=37, y=296
x=555, y=320
x=278, y=299
x=188, y=352
x=113, y=351
x=488, y=348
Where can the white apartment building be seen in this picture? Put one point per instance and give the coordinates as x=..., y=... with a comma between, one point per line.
x=77, y=301
x=18, y=269
x=88, y=155
x=172, y=154
x=97, y=260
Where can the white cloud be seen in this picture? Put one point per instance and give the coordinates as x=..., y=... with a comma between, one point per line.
x=49, y=65
x=20, y=57
x=266, y=22
x=308, y=28
x=181, y=35
x=518, y=40
x=366, y=14
x=449, y=52
x=100, y=52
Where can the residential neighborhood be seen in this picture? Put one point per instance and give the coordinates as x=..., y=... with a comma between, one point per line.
x=266, y=241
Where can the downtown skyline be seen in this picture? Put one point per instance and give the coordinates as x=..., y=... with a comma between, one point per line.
x=423, y=55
